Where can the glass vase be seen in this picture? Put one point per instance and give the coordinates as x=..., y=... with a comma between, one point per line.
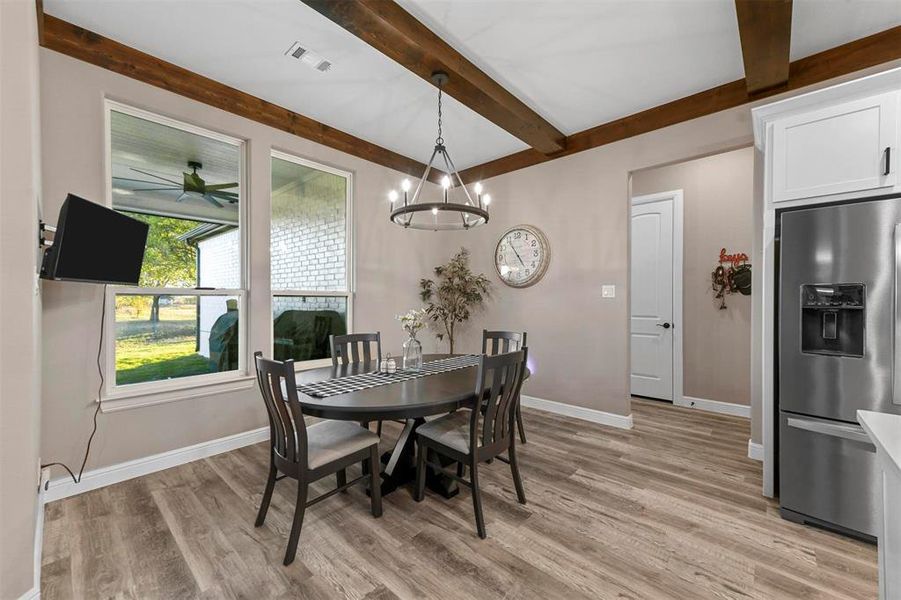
x=412, y=354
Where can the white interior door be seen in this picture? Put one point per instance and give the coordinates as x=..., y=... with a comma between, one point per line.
x=651, y=297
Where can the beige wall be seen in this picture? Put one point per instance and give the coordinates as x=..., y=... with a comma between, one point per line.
x=717, y=213
x=389, y=264
x=578, y=341
x=19, y=299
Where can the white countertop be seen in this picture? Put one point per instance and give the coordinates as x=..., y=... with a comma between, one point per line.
x=885, y=431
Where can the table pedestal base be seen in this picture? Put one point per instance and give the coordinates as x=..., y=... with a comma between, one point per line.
x=400, y=465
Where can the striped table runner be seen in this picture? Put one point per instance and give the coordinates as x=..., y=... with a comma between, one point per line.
x=363, y=381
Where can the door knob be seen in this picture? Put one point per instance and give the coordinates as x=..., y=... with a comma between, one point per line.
x=664, y=325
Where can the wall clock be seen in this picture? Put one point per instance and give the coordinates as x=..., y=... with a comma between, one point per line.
x=522, y=256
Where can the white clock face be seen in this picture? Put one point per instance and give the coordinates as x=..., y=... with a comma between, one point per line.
x=522, y=256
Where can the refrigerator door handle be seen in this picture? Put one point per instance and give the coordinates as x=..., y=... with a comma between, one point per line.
x=847, y=431
x=896, y=330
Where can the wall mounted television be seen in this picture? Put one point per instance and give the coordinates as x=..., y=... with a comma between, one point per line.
x=95, y=244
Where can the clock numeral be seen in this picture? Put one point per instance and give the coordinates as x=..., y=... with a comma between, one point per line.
x=534, y=252
x=517, y=235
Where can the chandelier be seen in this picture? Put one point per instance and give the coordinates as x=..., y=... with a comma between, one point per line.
x=455, y=207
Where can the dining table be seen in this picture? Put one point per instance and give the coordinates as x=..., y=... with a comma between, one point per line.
x=410, y=401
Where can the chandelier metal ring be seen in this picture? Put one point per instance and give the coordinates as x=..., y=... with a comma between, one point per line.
x=401, y=216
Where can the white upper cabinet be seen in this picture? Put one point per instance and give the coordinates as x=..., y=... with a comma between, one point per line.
x=848, y=147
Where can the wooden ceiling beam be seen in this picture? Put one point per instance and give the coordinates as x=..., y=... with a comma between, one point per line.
x=71, y=40
x=764, y=27
x=387, y=27
x=864, y=53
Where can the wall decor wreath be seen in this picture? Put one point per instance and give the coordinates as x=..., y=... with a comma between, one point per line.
x=731, y=276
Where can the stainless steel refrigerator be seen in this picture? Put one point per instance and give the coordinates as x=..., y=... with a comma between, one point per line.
x=839, y=350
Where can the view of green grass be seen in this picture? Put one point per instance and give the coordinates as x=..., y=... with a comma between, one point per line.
x=151, y=351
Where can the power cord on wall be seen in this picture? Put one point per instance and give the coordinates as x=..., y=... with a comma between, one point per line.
x=87, y=450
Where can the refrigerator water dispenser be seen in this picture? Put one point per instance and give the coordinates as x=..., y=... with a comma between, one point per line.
x=833, y=316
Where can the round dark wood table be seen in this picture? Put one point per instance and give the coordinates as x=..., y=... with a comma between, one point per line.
x=410, y=400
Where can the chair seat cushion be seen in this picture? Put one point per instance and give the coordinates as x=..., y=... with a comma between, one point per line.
x=450, y=430
x=328, y=441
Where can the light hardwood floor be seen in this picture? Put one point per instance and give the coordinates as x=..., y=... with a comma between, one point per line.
x=670, y=509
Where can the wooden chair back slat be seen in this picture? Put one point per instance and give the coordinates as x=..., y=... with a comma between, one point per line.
x=287, y=428
x=497, y=384
x=355, y=347
x=502, y=342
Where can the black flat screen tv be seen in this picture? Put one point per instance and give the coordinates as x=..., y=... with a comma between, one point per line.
x=95, y=244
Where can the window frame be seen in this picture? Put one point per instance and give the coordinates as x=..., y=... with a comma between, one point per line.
x=349, y=272
x=112, y=391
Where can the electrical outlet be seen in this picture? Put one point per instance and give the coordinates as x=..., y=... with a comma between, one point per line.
x=608, y=291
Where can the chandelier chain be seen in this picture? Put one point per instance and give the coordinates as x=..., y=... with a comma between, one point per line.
x=439, y=140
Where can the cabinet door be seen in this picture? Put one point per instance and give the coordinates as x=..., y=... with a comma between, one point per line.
x=849, y=147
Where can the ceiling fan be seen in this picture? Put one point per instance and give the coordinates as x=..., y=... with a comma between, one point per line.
x=192, y=184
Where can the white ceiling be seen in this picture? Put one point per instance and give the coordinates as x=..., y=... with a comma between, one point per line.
x=578, y=63
x=242, y=43
x=818, y=25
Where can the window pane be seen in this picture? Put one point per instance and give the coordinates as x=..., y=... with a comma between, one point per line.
x=164, y=337
x=302, y=325
x=187, y=187
x=308, y=230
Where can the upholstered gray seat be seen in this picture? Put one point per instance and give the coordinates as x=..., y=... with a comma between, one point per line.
x=329, y=441
x=450, y=430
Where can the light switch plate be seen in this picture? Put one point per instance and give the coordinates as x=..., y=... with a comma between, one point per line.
x=608, y=291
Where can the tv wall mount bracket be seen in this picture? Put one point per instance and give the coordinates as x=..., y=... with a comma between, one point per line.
x=43, y=229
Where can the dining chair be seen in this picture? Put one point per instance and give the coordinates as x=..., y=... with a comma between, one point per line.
x=473, y=436
x=500, y=342
x=308, y=454
x=355, y=348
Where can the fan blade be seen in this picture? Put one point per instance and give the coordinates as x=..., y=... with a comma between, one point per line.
x=144, y=181
x=220, y=186
x=164, y=189
x=230, y=196
x=212, y=201
x=149, y=174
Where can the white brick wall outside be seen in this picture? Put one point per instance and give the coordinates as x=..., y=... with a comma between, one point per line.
x=308, y=235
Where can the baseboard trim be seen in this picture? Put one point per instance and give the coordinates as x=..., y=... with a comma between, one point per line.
x=32, y=594
x=755, y=451
x=716, y=406
x=98, y=478
x=578, y=412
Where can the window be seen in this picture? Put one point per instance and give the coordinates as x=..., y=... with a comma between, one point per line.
x=310, y=258
x=184, y=321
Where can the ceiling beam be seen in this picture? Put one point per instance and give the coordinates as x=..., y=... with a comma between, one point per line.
x=864, y=53
x=71, y=40
x=764, y=27
x=387, y=27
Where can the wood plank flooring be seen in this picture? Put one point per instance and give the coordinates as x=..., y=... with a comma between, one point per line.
x=670, y=509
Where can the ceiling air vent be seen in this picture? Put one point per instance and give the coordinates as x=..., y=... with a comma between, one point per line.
x=308, y=57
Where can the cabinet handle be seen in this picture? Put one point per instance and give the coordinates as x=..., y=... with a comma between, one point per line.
x=887, y=153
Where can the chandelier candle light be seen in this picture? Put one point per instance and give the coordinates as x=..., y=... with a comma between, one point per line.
x=456, y=209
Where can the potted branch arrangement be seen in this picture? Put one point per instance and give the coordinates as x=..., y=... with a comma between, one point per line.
x=453, y=296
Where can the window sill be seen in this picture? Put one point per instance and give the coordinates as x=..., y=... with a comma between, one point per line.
x=128, y=399
x=309, y=365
